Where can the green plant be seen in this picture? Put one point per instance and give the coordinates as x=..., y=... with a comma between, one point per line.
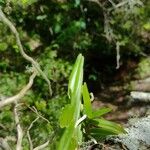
x=94, y=125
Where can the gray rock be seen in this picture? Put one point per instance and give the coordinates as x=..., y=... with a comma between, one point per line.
x=138, y=135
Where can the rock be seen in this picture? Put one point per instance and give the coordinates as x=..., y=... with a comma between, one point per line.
x=138, y=135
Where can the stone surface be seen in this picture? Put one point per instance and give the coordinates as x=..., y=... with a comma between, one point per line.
x=138, y=134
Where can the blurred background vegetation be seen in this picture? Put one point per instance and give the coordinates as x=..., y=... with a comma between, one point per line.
x=54, y=32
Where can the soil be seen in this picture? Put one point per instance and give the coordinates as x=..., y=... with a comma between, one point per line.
x=119, y=100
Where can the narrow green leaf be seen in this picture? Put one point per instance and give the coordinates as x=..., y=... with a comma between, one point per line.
x=109, y=126
x=66, y=138
x=74, y=92
x=76, y=95
x=78, y=134
x=87, y=101
x=100, y=112
x=101, y=132
x=88, y=107
x=73, y=144
x=73, y=75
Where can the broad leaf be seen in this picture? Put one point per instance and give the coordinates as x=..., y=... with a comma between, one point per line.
x=66, y=116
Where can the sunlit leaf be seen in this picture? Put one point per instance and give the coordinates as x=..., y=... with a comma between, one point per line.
x=71, y=132
x=100, y=112
x=76, y=95
x=73, y=75
x=73, y=144
x=66, y=138
x=87, y=101
x=66, y=116
x=147, y=26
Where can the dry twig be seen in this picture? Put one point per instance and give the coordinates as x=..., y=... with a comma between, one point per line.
x=28, y=133
x=6, y=21
x=37, y=113
x=40, y=147
x=4, y=144
x=117, y=55
x=19, y=129
x=20, y=94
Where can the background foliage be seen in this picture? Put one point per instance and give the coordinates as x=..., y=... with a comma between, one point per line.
x=54, y=33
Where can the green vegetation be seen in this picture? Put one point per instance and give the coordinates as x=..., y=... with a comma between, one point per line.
x=89, y=122
x=54, y=33
x=143, y=68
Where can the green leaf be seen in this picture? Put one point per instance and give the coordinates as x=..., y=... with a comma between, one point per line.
x=100, y=132
x=77, y=2
x=73, y=144
x=75, y=85
x=57, y=28
x=78, y=134
x=147, y=26
x=66, y=116
x=76, y=95
x=88, y=107
x=73, y=75
x=100, y=112
x=2, y=2
x=41, y=105
x=110, y=127
x=3, y=46
x=66, y=138
x=87, y=101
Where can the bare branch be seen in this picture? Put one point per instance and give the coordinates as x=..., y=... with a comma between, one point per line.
x=113, y=3
x=20, y=94
x=124, y=2
x=6, y=21
x=28, y=133
x=42, y=146
x=121, y=4
x=4, y=144
x=117, y=55
x=37, y=113
x=19, y=129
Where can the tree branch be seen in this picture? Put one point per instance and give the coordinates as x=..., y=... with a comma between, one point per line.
x=7, y=22
x=20, y=94
x=42, y=146
x=37, y=113
x=19, y=129
x=28, y=133
x=4, y=144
